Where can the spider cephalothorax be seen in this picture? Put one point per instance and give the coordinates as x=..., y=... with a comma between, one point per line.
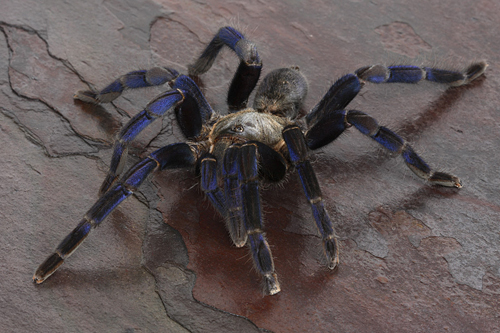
x=236, y=152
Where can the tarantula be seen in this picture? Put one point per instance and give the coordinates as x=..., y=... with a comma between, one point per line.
x=234, y=153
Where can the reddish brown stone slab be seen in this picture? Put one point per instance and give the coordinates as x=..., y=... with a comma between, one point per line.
x=414, y=258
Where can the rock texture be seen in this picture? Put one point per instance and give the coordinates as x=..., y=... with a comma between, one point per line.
x=414, y=258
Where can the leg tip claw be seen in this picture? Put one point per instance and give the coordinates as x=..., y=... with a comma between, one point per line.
x=331, y=248
x=37, y=279
x=47, y=268
x=472, y=72
x=333, y=265
x=87, y=96
x=272, y=286
x=475, y=70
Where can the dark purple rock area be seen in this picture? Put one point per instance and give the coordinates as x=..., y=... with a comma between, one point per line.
x=414, y=258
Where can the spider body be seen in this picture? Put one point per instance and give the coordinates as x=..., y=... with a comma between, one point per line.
x=235, y=153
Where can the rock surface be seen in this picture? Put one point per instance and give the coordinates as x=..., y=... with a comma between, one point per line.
x=414, y=258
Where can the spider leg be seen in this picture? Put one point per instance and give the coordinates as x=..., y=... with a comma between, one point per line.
x=394, y=143
x=298, y=150
x=326, y=129
x=248, y=72
x=414, y=74
x=172, y=156
x=242, y=160
x=340, y=94
x=335, y=122
x=272, y=167
x=135, y=79
x=326, y=120
x=192, y=112
x=209, y=185
x=234, y=205
x=343, y=91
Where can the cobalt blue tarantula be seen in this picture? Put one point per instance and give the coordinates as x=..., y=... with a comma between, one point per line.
x=234, y=153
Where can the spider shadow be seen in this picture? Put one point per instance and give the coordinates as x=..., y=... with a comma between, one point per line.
x=75, y=278
x=437, y=109
x=105, y=120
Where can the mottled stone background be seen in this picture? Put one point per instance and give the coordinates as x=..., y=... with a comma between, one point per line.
x=414, y=258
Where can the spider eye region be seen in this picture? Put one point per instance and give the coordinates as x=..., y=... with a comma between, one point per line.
x=250, y=125
x=238, y=128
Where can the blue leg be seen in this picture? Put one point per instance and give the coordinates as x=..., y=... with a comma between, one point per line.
x=194, y=111
x=248, y=176
x=191, y=116
x=173, y=156
x=298, y=150
x=414, y=74
x=340, y=94
x=392, y=142
x=248, y=72
x=209, y=185
x=136, y=79
x=326, y=120
x=242, y=161
x=153, y=110
x=335, y=122
x=234, y=211
x=272, y=167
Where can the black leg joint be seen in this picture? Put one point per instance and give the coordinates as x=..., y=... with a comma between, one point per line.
x=272, y=165
x=340, y=94
x=188, y=117
x=309, y=180
x=244, y=81
x=296, y=143
x=177, y=155
x=326, y=129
